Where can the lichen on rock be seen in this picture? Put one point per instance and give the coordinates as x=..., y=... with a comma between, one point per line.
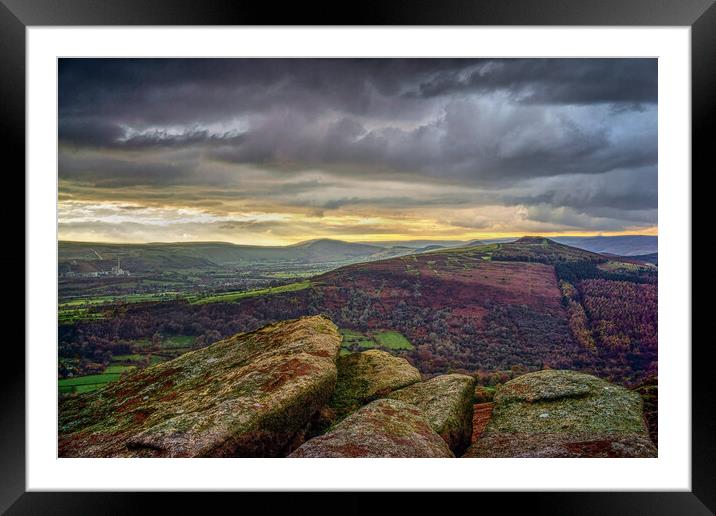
x=383, y=428
x=367, y=375
x=564, y=414
x=446, y=401
x=247, y=395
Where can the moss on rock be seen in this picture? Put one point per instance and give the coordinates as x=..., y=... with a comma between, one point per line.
x=365, y=376
x=383, y=428
x=446, y=401
x=564, y=414
x=247, y=395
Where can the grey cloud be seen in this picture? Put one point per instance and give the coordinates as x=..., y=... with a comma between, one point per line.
x=570, y=218
x=473, y=141
x=111, y=172
x=621, y=189
x=576, y=135
x=147, y=92
x=627, y=82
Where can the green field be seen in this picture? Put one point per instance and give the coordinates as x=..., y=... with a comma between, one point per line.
x=387, y=339
x=120, y=364
x=392, y=340
x=128, y=298
x=87, y=383
x=80, y=309
x=229, y=297
x=71, y=315
x=355, y=338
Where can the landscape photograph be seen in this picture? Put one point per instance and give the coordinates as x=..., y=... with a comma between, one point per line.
x=353, y=257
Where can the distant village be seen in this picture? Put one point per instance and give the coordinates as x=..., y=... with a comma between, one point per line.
x=116, y=270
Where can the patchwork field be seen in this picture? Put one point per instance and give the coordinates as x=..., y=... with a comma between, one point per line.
x=229, y=297
x=388, y=339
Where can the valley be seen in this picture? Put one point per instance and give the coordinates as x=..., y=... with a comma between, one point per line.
x=491, y=310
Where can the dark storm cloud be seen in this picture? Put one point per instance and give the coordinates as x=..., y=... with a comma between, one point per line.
x=578, y=135
x=555, y=81
x=347, y=83
x=467, y=141
x=147, y=92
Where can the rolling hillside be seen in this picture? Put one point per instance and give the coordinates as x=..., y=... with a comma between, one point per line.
x=87, y=256
x=529, y=304
x=621, y=245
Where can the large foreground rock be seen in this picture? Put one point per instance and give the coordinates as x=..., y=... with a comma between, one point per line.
x=446, y=401
x=248, y=395
x=365, y=376
x=564, y=414
x=383, y=428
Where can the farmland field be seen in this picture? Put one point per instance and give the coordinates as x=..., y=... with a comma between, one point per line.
x=389, y=339
x=392, y=340
x=129, y=298
x=235, y=296
x=86, y=383
x=355, y=338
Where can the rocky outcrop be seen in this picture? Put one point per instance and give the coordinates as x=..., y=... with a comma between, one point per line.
x=248, y=395
x=365, y=376
x=648, y=389
x=383, y=428
x=482, y=414
x=564, y=414
x=446, y=401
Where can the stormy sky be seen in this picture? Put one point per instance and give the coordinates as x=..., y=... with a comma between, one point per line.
x=275, y=151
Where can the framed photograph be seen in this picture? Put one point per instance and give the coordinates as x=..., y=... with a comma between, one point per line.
x=338, y=254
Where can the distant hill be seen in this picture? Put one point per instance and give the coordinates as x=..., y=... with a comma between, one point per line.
x=526, y=249
x=626, y=245
x=417, y=244
x=622, y=245
x=88, y=256
x=327, y=250
x=647, y=258
x=427, y=248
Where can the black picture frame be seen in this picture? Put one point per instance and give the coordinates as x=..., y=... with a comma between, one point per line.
x=17, y=15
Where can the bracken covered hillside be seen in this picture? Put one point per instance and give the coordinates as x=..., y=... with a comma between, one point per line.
x=524, y=305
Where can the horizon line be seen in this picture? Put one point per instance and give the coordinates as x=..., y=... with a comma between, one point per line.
x=372, y=241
